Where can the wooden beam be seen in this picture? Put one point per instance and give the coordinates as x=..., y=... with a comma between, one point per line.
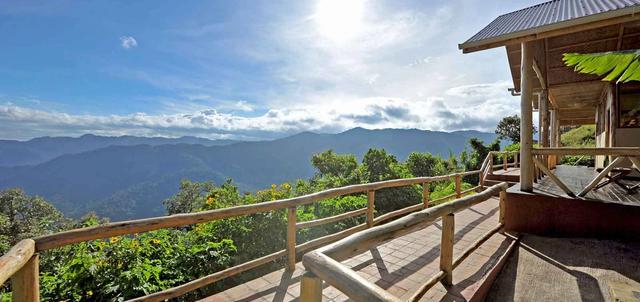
x=16, y=258
x=544, y=118
x=458, y=181
x=310, y=288
x=362, y=241
x=291, y=238
x=209, y=279
x=425, y=195
x=25, y=283
x=321, y=221
x=615, y=151
x=47, y=242
x=526, y=131
x=446, y=248
x=539, y=74
x=352, y=284
x=371, y=205
x=600, y=176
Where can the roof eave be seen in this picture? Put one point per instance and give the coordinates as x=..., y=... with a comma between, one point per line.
x=554, y=29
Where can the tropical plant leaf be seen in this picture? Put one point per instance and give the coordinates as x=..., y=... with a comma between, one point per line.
x=623, y=66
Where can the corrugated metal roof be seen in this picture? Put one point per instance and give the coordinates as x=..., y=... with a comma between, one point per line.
x=547, y=13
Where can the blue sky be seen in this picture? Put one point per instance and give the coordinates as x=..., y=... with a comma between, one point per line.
x=247, y=69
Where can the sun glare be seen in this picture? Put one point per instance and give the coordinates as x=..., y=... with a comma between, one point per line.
x=339, y=20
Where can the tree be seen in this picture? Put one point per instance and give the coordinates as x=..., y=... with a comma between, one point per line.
x=190, y=197
x=425, y=164
x=378, y=165
x=621, y=65
x=509, y=128
x=23, y=216
x=329, y=163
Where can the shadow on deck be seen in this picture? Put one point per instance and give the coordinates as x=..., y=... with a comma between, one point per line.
x=570, y=269
x=402, y=265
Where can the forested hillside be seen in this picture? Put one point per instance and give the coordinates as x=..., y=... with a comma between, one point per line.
x=124, y=267
x=122, y=182
x=41, y=149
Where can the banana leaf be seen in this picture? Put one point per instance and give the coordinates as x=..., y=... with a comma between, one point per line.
x=621, y=66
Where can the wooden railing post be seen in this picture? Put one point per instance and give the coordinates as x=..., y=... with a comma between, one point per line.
x=310, y=288
x=503, y=199
x=490, y=162
x=291, y=238
x=505, y=156
x=25, y=284
x=515, y=159
x=446, y=248
x=425, y=195
x=371, y=206
x=458, y=179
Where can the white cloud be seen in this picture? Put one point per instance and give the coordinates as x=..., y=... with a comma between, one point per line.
x=481, y=112
x=128, y=42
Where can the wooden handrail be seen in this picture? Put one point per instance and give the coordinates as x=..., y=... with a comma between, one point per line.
x=27, y=287
x=362, y=241
x=615, y=151
x=56, y=240
x=16, y=258
x=323, y=263
x=326, y=220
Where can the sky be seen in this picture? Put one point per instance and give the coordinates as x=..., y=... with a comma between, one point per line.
x=248, y=69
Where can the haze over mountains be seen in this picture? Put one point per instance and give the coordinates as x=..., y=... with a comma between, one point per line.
x=129, y=177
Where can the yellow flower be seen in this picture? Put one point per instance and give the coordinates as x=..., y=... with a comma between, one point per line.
x=156, y=241
x=115, y=239
x=89, y=293
x=210, y=200
x=274, y=186
x=286, y=186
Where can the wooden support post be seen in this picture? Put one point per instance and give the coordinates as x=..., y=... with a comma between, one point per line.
x=25, y=284
x=505, y=156
x=503, y=199
x=490, y=162
x=425, y=194
x=310, y=288
x=446, y=248
x=291, y=238
x=526, y=109
x=371, y=206
x=458, y=179
x=515, y=159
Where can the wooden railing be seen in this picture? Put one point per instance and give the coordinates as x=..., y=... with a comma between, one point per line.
x=324, y=264
x=488, y=165
x=21, y=262
x=620, y=154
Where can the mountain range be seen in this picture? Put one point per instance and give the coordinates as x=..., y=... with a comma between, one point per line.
x=129, y=177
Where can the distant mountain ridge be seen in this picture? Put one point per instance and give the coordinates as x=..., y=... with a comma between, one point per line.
x=130, y=181
x=39, y=150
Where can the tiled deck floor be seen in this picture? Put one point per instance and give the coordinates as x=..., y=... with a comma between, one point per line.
x=400, y=266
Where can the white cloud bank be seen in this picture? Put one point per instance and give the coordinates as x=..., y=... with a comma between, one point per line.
x=483, y=106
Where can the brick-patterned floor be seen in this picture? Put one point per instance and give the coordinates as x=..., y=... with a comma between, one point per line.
x=400, y=266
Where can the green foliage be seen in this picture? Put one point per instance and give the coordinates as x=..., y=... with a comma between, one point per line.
x=23, y=216
x=623, y=66
x=509, y=128
x=188, y=198
x=124, y=267
x=582, y=136
x=132, y=266
x=425, y=164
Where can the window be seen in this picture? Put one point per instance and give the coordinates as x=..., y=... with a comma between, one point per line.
x=629, y=105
